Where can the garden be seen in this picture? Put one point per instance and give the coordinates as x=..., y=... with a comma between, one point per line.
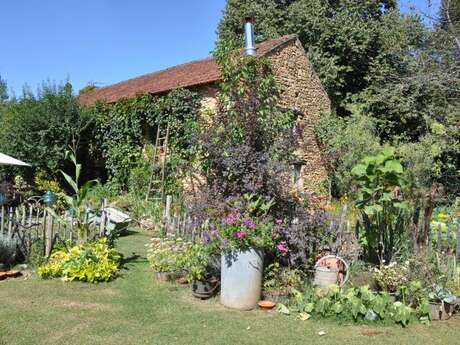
x=150, y=220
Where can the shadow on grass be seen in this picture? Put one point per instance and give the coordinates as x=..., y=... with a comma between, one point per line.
x=133, y=259
x=128, y=232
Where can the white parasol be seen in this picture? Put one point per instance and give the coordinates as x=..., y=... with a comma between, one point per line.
x=7, y=160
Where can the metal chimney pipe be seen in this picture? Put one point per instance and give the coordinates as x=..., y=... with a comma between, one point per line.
x=249, y=46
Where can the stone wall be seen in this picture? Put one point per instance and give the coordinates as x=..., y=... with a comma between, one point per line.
x=300, y=90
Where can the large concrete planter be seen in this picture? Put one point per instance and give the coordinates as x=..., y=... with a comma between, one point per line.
x=241, y=279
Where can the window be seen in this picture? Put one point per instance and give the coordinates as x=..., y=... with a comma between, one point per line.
x=297, y=176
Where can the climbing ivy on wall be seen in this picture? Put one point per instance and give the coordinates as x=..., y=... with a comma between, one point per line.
x=125, y=127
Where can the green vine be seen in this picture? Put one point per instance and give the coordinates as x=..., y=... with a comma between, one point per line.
x=124, y=128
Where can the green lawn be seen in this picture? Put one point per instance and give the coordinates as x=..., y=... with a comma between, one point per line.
x=134, y=309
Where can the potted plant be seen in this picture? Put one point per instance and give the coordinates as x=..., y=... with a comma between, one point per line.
x=246, y=231
x=195, y=261
x=442, y=303
x=164, y=255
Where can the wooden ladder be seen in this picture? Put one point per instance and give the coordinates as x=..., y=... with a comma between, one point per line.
x=159, y=160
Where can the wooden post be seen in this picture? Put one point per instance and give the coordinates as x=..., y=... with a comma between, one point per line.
x=103, y=217
x=23, y=210
x=449, y=249
x=43, y=226
x=30, y=215
x=71, y=230
x=439, y=241
x=85, y=227
x=48, y=234
x=10, y=223
x=457, y=250
x=430, y=243
x=2, y=220
x=167, y=212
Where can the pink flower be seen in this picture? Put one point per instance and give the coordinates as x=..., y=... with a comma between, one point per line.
x=250, y=224
x=230, y=220
x=279, y=221
x=239, y=234
x=282, y=247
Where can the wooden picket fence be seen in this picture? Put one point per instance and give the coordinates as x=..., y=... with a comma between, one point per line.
x=31, y=221
x=345, y=243
x=182, y=224
x=446, y=241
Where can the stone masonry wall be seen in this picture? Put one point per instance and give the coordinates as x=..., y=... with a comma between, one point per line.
x=301, y=89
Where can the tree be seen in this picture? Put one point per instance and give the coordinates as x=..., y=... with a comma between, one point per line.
x=342, y=38
x=3, y=90
x=40, y=128
x=270, y=19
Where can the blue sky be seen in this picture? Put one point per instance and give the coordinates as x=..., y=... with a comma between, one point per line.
x=104, y=41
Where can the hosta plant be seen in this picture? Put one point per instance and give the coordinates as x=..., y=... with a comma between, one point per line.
x=90, y=262
x=356, y=304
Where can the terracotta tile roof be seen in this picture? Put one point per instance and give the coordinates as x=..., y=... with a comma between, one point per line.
x=194, y=73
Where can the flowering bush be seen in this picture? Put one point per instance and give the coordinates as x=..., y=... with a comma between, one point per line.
x=390, y=277
x=247, y=225
x=89, y=262
x=165, y=254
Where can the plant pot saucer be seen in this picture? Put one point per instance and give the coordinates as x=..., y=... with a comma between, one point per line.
x=182, y=281
x=266, y=305
x=9, y=274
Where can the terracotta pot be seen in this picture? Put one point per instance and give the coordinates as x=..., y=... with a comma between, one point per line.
x=12, y=274
x=182, y=281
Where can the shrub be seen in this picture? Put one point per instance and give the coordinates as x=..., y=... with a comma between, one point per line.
x=90, y=262
x=37, y=251
x=306, y=234
x=195, y=261
x=165, y=254
x=390, y=277
x=281, y=280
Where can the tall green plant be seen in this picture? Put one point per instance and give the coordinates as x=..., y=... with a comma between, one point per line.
x=77, y=202
x=384, y=215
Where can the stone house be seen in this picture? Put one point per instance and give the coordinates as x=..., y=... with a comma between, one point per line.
x=300, y=88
